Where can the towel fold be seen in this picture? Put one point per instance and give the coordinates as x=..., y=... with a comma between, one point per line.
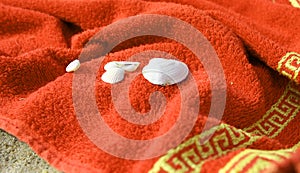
x=256, y=48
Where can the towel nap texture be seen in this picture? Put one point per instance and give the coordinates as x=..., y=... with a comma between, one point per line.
x=258, y=46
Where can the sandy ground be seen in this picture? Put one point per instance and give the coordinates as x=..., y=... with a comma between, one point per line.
x=17, y=157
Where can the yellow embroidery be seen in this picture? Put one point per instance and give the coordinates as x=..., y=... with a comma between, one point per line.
x=295, y=3
x=295, y=147
x=263, y=158
x=260, y=159
x=280, y=114
x=289, y=66
x=190, y=155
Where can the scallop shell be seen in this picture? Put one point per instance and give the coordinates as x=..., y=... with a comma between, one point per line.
x=73, y=66
x=125, y=65
x=113, y=75
x=162, y=71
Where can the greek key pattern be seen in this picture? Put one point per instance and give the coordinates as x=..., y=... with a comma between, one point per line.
x=251, y=160
x=289, y=66
x=280, y=114
x=295, y=3
x=191, y=155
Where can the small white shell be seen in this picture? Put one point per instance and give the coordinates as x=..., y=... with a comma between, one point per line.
x=125, y=65
x=73, y=66
x=113, y=75
x=162, y=71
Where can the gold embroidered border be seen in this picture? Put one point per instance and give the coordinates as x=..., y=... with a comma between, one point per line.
x=295, y=3
x=289, y=66
x=280, y=114
x=190, y=155
x=260, y=159
x=263, y=158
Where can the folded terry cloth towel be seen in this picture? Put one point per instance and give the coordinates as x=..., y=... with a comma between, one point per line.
x=237, y=110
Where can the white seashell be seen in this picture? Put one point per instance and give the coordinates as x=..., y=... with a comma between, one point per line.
x=113, y=75
x=73, y=66
x=162, y=71
x=125, y=65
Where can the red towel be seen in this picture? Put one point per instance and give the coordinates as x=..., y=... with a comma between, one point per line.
x=243, y=56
